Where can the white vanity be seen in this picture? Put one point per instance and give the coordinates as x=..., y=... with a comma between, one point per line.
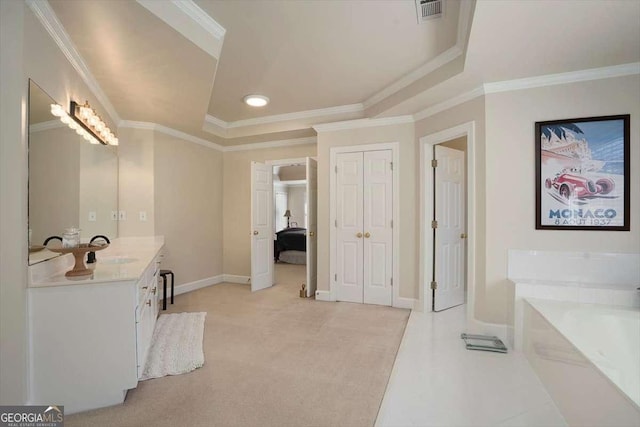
x=89, y=338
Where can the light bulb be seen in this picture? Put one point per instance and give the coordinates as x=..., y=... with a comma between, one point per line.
x=57, y=110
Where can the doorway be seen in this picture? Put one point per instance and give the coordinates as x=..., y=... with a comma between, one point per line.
x=446, y=236
x=286, y=204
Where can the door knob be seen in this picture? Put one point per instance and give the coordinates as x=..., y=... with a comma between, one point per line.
x=312, y=233
x=255, y=232
x=359, y=235
x=367, y=235
x=463, y=236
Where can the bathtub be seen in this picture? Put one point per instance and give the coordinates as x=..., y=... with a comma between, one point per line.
x=588, y=358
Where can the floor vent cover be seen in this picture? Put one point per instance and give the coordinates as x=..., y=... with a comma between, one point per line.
x=429, y=9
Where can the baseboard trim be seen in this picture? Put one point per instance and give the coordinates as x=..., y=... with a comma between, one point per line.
x=402, y=302
x=478, y=327
x=323, y=296
x=192, y=286
x=232, y=278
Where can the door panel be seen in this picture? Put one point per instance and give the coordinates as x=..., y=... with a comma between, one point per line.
x=349, y=243
x=261, y=226
x=450, y=243
x=312, y=226
x=378, y=236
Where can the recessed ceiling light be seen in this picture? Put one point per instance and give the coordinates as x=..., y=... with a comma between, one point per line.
x=256, y=100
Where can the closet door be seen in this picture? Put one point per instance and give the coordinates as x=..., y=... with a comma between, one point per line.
x=349, y=224
x=364, y=214
x=377, y=227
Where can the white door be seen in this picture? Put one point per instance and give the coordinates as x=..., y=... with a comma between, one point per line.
x=312, y=226
x=450, y=237
x=349, y=224
x=364, y=206
x=261, y=226
x=378, y=238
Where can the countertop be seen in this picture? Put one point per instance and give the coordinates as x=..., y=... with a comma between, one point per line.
x=125, y=259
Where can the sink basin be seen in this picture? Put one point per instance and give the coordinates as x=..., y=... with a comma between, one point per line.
x=116, y=260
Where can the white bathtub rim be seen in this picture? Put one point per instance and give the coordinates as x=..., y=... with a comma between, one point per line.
x=532, y=301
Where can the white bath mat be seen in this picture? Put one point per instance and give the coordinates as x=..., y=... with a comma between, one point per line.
x=176, y=346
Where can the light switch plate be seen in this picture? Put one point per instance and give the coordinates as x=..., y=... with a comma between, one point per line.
x=92, y=216
x=143, y=215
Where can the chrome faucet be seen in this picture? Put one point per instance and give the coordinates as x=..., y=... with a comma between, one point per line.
x=91, y=256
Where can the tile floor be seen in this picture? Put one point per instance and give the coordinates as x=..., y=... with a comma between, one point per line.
x=437, y=382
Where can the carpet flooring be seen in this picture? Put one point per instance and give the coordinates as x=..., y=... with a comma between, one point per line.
x=271, y=359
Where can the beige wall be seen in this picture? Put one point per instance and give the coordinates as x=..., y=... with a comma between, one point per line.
x=136, y=181
x=511, y=171
x=471, y=111
x=54, y=187
x=188, y=207
x=296, y=198
x=237, y=201
x=13, y=209
x=98, y=189
x=404, y=134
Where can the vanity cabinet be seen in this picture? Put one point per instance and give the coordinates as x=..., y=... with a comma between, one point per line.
x=89, y=341
x=146, y=312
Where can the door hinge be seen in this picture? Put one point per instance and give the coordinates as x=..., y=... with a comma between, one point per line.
x=335, y=277
x=392, y=281
x=391, y=165
x=336, y=222
x=434, y=285
x=391, y=223
x=434, y=163
x=336, y=168
x=434, y=224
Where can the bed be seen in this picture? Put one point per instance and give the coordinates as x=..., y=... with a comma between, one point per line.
x=290, y=245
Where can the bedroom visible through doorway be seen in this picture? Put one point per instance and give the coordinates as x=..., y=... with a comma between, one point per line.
x=290, y=223
x=284, y=194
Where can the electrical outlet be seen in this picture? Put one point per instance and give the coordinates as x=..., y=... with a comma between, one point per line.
x=143, y=215
x=92, y=216
x=122, y=215
x=114, y=215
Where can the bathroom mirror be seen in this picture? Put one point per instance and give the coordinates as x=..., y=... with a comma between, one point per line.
x=72, y=183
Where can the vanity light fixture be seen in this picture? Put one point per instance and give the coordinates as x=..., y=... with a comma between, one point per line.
x=86, y=123
x=256, y=100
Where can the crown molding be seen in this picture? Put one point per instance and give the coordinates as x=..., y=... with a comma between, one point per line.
x=287, y=117
x=202, y=18
x=432, y=65
x=187, y=137
x=449, y=103
x=563, y=78
x=169, y=131
x=47, y=17
x=188, y=19
x=51, y=124
x=272, y=144
x=363, y=123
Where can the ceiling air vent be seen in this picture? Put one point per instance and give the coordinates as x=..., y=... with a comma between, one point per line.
x=429, y=9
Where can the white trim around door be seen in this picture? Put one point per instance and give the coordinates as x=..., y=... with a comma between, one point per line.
x=333, y=152
x=426, y=212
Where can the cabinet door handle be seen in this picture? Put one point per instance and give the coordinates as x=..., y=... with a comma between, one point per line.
x=367, y=235
x=255, y=232
x=145, y=287
x=359, y=235
x=154, y=290
x=149, y=303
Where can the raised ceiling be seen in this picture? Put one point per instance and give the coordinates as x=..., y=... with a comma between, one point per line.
x=324, y=61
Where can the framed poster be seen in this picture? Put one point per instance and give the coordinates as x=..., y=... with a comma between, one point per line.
x=582, y=174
